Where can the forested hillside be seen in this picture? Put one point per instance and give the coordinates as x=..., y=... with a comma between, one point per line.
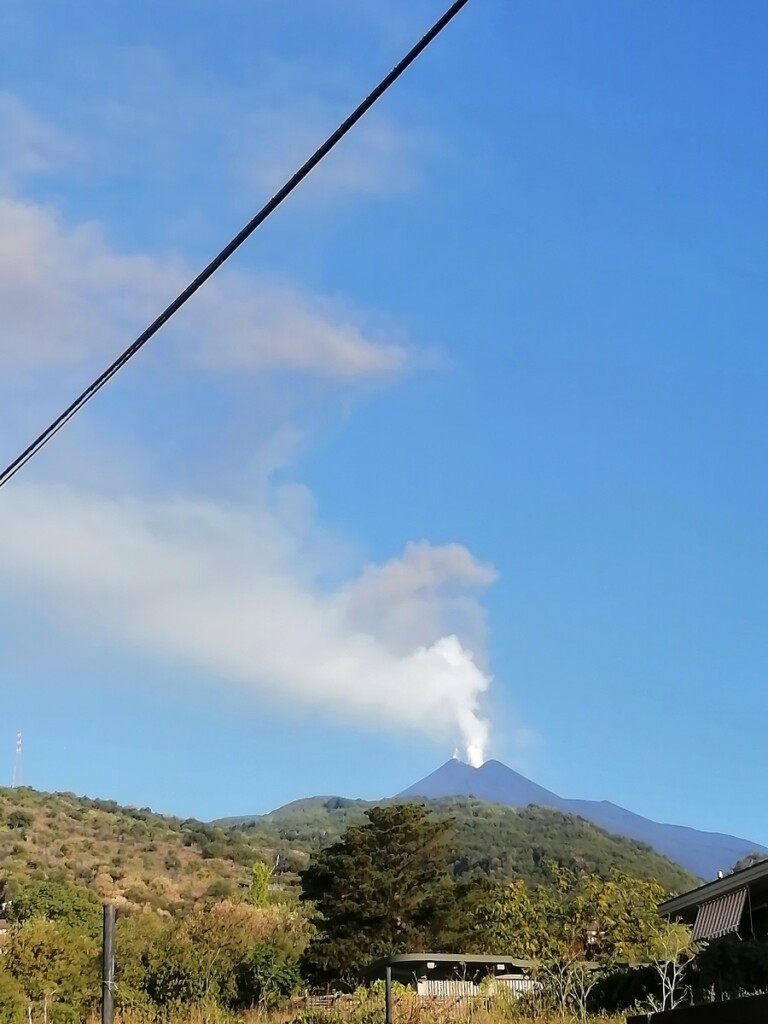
x=128, y=855
x=502, y=842
x=138, y=857
x=393, y=883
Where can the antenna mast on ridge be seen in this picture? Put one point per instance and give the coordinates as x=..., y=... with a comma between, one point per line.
x=16, y=780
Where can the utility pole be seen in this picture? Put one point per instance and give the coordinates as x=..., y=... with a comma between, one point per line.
x=108, y=966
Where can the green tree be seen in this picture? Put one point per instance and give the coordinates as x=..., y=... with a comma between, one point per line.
x=587, y=917
x=258, y=890
x=726, y=971
x=230, y=953
x=672, y=951
x=136, y=935
x=264, y=977
x=12, y=1000
x=623, y=911
x=174, y=973
x=57, y=967
x=382, y=888
x=56, y=901
x=749, y=861
x=571, y=928
x=20, y=820
x=223, y=936
x=512, y=919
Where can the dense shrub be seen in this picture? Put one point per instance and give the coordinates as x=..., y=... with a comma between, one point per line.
x=728, y=970
x=56, y=966
x=13, y=1002
x=264, y=977
x=19, y=820
x=174, y=973
x=235, y=954
x=55, y=900
x=625, y=989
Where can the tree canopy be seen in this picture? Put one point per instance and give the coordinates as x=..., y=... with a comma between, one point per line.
x=500, y=842
x=381, y=889
x=56, y=900
x=575, y=918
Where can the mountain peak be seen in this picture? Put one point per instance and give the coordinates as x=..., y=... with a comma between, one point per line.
x=493, y=781
x=703, y=853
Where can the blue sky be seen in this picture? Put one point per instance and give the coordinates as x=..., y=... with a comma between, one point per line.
x=471, y=431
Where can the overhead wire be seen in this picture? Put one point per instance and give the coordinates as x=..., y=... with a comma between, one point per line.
x=279, y=197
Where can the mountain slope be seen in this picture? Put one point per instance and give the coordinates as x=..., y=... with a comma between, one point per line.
x=136, y=857
x=502, y=842
x=493, y=782
x=702, y=853
x=122, y=853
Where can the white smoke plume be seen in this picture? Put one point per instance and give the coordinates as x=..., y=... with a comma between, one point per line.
x=238, y=594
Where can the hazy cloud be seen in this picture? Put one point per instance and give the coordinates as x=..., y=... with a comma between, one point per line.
x=65, y=292
x=30, y=145
x=238, y=592
x=247, y=323
x=425, y=593
x=235, y=593
x=378, y=158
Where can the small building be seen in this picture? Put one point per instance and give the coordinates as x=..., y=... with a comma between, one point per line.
x=436, y=975
x=733, y=907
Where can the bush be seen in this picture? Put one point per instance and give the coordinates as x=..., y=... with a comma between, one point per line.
x=729, y=971
x=265, y=977
x=175, y=973
x=136, y=934
x=56, y=964
x=12, y=1001
x=56, y=901
x=231, y=953
x=19, y=820
x=625, y=989
x=221, y=889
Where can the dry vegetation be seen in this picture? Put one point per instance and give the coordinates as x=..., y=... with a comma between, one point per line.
x=139, y=858
x=355, y=1010
x=128, y=855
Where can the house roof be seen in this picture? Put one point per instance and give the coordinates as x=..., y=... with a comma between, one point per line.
x=406, y=963
x=755, y=878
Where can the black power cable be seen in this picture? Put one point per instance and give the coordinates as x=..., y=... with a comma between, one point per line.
x=21, y=460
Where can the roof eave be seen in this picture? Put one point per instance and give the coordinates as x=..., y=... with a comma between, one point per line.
x=711, y=890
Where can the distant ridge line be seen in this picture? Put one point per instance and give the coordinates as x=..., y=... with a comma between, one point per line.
x=702, y=853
